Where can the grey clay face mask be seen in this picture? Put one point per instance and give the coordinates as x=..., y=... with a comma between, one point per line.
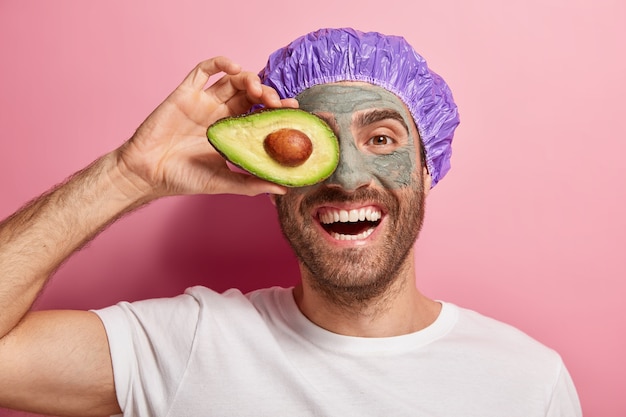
x=337, y=104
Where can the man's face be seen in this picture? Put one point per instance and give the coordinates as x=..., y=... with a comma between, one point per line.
x=352, y=233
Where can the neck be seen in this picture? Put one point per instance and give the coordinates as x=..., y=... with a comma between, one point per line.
x=401, y=309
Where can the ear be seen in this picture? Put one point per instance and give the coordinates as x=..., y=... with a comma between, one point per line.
x=272, y=199
x=428, y=181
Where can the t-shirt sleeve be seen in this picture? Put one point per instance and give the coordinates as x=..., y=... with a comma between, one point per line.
x=150, y=343
x=564, y=401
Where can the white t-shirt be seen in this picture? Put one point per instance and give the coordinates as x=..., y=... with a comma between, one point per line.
x=208, y=354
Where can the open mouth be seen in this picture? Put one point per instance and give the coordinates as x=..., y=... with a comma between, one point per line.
x=354, y=224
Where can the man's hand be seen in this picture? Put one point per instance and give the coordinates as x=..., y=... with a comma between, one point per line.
x=170, y=154
x=58, y=362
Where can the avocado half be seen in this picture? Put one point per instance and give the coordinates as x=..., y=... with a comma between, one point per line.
x=243, y=141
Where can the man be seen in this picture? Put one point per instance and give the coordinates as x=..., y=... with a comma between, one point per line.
x=355, y=337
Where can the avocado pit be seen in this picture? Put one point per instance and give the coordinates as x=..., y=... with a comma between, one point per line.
x=288, y=147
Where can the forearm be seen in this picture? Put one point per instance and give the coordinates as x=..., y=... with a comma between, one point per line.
x=36, y=240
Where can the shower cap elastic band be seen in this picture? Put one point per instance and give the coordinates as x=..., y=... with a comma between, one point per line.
x=333, y=55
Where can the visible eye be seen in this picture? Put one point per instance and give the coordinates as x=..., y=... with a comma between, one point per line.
x=380, y=140
x=380, y=144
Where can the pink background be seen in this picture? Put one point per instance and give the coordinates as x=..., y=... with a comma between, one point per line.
x=528, y=227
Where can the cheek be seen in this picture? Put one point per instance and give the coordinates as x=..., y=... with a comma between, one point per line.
x=396, y=169
x=290, y=204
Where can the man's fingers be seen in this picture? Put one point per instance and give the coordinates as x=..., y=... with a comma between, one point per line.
x=237, y=89
x=247, y=184
x=270, y=97
x=199, y=76
x=227, y=87
x=290, y=102
x=250, y=84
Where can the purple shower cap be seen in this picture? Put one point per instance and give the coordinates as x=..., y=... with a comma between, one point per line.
x=332, y=55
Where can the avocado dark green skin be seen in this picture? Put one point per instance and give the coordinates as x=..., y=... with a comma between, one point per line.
x=240, y=139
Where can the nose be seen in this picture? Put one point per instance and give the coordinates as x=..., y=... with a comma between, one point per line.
x=351, y=172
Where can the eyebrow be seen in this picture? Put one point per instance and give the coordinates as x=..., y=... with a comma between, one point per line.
x=371, y=117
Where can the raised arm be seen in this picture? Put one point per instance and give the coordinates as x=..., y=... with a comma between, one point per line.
x=58, y=362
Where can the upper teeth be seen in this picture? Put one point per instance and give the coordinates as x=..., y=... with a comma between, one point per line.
x=329, y=215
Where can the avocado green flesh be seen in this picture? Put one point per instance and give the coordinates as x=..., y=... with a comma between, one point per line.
x=240, y=140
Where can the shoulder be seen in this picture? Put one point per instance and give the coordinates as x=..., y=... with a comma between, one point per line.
x=476, y=323
x=502, y=342
x=185, y=311
x=235, y=298
x=258, y=304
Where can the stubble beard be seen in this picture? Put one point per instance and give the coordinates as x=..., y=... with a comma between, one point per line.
x=355, y=277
